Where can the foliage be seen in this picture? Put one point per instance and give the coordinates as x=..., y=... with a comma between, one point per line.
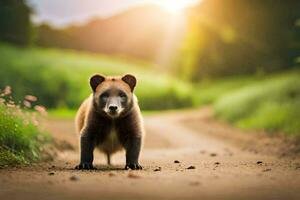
x=232, y=37
x=271, y=104
x=15, y=24
x=59, y=78
x=20, y=139
x=210, y=90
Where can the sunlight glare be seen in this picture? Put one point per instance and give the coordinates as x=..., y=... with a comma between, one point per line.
x=176, y=6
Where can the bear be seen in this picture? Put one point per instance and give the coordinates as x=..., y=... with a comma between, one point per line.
x=110, y=120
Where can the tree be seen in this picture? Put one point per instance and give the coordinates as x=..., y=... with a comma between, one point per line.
x=15, y=24
x=228, y=37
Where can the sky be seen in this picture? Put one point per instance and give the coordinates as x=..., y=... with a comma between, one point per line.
x=64, y=12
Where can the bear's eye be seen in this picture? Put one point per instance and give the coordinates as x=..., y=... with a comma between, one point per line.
x=123, y=96
x=104, y=96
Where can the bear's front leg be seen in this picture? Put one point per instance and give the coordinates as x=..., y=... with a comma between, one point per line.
x=133, y=148
x=87, y=145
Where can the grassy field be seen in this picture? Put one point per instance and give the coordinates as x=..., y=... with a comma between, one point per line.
x=60, y=77
x=21, y=142
x=271, y=104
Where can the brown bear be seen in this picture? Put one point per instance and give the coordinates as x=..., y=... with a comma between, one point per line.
x=110, y=120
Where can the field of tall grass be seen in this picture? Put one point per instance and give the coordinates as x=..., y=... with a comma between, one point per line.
x=271, y=104
x=60, y=77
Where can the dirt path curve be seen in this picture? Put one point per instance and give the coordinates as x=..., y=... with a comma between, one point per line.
x=223, y=168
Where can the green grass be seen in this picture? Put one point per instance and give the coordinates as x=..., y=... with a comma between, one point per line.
x=208, y=91
x=62, y=113
x=60, y=77
x=20, y=141
x=271, y=104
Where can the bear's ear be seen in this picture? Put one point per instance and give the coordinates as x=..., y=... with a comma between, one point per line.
x=130, y=80
x=96, y=80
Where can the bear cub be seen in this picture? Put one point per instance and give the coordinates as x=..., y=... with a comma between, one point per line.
x=110, y=120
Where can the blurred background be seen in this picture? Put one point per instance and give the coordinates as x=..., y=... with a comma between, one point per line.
x=239, y=57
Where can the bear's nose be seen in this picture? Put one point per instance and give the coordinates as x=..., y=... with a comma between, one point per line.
x=112, y=108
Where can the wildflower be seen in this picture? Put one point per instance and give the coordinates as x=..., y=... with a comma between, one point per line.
x=35, y=122
x=41, y=109
x=27, y=104
x=9, y=105
x=31, y=98
x=6, y=91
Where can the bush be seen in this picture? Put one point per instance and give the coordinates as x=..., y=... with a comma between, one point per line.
x=15, y=24
x=271, y=104
x=210, y=90
x=20, y=139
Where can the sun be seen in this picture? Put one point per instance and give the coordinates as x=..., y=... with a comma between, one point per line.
x=175, y=6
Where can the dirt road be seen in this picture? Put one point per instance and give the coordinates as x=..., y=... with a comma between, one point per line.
x=215, y=162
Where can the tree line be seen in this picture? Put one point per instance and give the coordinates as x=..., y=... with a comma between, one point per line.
x=228, y=37
x=222, y=37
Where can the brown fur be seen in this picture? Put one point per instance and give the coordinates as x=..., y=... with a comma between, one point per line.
x=107, y=134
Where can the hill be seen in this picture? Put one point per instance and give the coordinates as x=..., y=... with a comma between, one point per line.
x=138, y=32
